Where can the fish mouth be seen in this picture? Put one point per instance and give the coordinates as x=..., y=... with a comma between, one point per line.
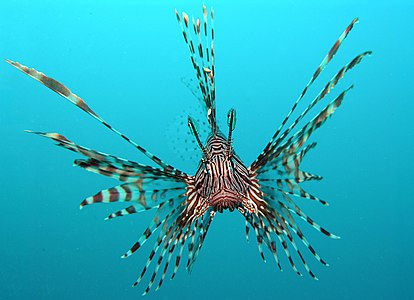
x=225, y=199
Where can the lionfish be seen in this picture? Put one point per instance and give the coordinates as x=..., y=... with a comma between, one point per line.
x=186, y=204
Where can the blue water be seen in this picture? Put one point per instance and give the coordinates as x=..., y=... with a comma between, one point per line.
x=126, y=59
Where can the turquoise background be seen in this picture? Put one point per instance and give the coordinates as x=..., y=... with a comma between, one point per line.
x=126, y=59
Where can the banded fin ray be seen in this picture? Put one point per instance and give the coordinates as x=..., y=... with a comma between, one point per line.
x=167, y=211
x=259, y=161
x=287, y=163
x=200, y=42
x=299, y=138
x=99, y=160
x=133, y=192
x=62, y=90
x=294, y=189
x=271, y=153
x=273, y=225
x=174, y=229
x=186, y=238
x=180, y=241
x=124, y=173
x=287, y=204
x=324, y=92
x=200, y=236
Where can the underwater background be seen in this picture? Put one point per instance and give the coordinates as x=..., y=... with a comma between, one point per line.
x=127, y=60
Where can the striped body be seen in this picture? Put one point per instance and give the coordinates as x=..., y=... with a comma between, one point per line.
x=264, y=192
x=222, y=181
